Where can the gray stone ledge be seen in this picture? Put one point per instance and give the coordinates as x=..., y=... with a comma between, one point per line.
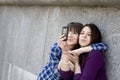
x=105, y=3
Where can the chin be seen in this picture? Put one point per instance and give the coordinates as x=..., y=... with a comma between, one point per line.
x=83, y=45
x=70, y=44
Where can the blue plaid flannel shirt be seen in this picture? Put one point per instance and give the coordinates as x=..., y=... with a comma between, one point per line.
x=50, y=71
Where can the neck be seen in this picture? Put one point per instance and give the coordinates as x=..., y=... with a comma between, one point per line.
x=70, y=47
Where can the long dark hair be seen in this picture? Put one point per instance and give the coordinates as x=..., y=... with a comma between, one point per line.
x=95, y=38
x=76, y=27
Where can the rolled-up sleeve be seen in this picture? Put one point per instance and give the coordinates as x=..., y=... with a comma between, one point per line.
x=92, y=65
x=99, y=46
x=67, y=75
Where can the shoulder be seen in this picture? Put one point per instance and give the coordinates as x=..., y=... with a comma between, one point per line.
x=96, y=55
x=55, y=48
x=93, y=53
x=54, y=44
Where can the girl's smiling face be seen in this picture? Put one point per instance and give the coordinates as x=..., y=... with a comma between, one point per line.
x=72, y=38
x=85, y=36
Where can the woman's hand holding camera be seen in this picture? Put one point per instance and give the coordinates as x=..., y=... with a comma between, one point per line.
x=63, y=44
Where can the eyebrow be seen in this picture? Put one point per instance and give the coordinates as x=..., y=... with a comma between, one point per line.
x=84, y=31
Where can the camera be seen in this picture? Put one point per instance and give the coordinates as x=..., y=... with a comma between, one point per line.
x=64, y=31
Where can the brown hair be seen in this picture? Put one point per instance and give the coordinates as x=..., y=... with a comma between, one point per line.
x=76, y=27
x=95, y=38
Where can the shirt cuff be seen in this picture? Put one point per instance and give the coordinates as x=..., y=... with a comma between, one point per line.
x=77, y=76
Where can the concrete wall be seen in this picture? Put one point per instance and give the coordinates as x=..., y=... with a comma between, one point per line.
x=27, y=32
x=108, y=3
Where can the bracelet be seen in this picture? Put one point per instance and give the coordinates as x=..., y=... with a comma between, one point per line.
x=63, y=62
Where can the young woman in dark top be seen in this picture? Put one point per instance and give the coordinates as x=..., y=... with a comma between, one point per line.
x=87, y=66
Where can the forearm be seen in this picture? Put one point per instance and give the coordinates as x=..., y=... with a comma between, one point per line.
x=96, y=47
x=82, y=50
x=77, y=68
x=55, y=52
x=99, y=47
x=85, y=49
x=64, y=63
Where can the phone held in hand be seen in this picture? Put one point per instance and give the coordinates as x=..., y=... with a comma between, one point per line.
x=64, y=31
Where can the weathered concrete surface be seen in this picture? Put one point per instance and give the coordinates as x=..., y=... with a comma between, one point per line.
x=26, y=34
x=23, y=36
x=107, y=3
x=12, y=72
x=113, y=57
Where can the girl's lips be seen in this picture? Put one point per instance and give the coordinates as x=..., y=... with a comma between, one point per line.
x=83, y=40
x=70, y=39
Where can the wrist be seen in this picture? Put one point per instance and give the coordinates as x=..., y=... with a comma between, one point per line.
x=76, y=63
x=86, y=49
x=64, y=62
x=64, y=57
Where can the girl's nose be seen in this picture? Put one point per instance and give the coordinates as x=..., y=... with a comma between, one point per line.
x=69, y=34
x=85, y=35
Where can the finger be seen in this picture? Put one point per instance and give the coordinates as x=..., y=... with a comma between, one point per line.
x=62, y=36
x=71, y=56
x=63, y=43
x=63, y=39
x=70, y=52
